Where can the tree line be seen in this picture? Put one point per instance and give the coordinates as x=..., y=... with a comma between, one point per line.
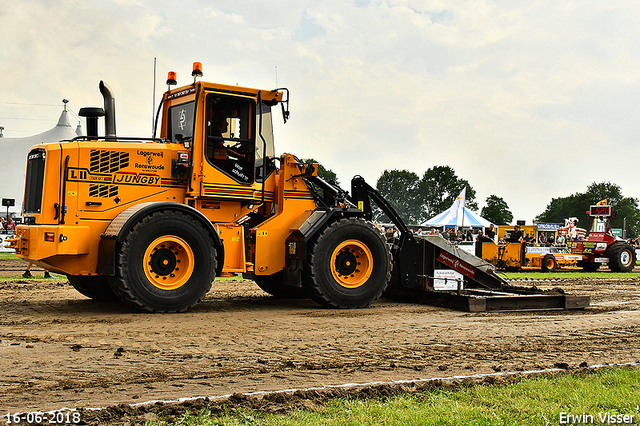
x=419, y=198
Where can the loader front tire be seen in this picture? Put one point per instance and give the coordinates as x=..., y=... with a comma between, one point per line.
x=349, y=265
x=94, y=287
x=165, y=264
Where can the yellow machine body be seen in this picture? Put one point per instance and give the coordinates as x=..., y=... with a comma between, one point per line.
x=90, y=185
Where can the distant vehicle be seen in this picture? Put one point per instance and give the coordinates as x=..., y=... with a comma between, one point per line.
x=521, y=256
x=582, y=252
x=601, y=246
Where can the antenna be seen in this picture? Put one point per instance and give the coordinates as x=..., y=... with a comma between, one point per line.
x=153, y=106
x=277, y=76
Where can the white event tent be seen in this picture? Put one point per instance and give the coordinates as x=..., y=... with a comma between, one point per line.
x=458, y=219
x=13, y=161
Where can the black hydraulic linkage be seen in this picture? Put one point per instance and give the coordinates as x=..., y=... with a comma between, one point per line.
x=333, y=195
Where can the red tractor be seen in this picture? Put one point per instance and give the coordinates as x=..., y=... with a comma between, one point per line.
x=601, y=246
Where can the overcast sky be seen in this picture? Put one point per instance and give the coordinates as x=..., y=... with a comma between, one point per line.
x=527, y=100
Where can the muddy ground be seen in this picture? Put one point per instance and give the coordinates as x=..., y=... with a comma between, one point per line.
x=60, y=349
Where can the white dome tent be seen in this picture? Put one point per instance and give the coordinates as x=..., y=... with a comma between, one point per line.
x=13, y=161
x=457, y=216
x=460, y=220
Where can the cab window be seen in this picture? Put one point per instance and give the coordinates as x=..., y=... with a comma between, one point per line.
x=265, y=163
x=181, y=122
x=230, y=142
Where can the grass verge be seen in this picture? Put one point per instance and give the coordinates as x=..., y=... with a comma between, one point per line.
x=34, y=278
x=8, y=255
x=605, y=397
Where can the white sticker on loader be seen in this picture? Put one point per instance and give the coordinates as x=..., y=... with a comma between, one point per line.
x=447, y=279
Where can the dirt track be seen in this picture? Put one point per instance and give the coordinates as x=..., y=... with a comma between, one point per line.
x=60, y=349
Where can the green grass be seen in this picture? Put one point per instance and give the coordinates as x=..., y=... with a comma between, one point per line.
x=37, y=276
x=6, y=255
x=538, y=401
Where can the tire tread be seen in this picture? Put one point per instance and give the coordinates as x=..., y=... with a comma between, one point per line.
x=123, y=289
x=310, y=281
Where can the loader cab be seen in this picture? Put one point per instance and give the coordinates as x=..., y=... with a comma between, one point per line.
x=228, y=131
x=238, y=136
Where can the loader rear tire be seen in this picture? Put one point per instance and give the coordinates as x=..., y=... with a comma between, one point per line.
x=622, y=257
x=349, y=265
x=94, y=287
x=272, y=284
x=549, y=263
x=165, y=264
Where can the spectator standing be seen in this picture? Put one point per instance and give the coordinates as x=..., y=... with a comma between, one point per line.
x=2, y=224
x=542, y=240
x=389, y=233
x=551, y=241
x=491, y=233
x=516, y=235
x=483, y=239
x=28, y=274
x=10, y=225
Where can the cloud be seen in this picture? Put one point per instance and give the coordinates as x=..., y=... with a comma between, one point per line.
x=525, y=100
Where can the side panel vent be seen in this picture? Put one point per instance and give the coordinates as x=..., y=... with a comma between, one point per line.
x=102, y=161
x=103, y=191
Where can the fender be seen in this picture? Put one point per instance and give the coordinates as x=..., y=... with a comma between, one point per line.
x=122, y=224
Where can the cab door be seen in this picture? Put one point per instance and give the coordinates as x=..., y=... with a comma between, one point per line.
x=230, y=145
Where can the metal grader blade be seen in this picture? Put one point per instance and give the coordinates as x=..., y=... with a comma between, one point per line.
x=481, y=288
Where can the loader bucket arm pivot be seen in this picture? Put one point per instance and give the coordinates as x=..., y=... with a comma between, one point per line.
x=406, y=250
x=333, y=195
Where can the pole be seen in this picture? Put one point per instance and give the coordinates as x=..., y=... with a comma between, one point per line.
x=153, y=107
x=463, y=201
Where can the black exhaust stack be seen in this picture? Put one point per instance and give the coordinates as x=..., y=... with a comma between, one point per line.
x=109, y=110
x=109, y=113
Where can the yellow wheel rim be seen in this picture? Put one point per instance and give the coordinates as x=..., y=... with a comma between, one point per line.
x=351, y=263
x=550, y=263
x=168, y=262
